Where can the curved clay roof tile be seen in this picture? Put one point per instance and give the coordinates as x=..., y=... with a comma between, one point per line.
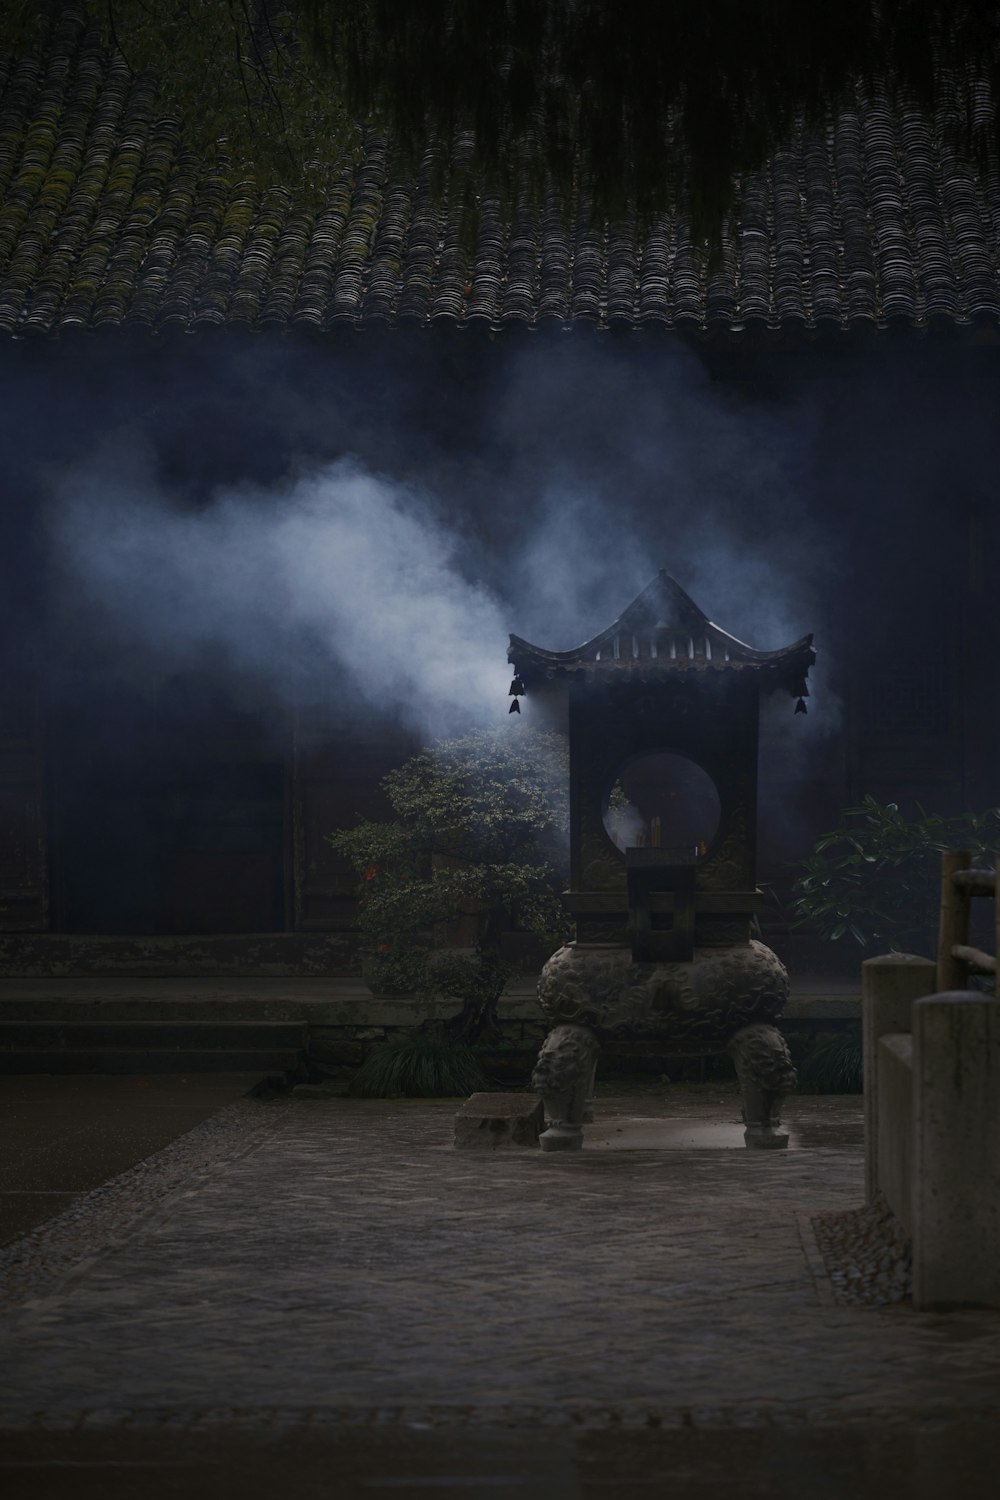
x=863, y=221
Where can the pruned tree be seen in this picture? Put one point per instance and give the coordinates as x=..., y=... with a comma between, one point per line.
x=479, y=833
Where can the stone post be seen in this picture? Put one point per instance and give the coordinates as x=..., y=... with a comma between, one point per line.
x=956, y=1158
x=889, y=986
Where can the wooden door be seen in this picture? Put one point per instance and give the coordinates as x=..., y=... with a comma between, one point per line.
x=24, y=872
x=336, y=770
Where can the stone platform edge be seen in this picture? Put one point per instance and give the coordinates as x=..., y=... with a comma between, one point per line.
x=315, y=1002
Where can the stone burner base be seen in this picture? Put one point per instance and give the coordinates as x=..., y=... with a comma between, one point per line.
x=728, y=997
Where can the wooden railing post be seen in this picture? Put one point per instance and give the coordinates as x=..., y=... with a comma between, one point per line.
x=952, y=972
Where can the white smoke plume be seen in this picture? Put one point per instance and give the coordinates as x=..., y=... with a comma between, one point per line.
x=392, y=575
x=360, y=526
x=342, y=567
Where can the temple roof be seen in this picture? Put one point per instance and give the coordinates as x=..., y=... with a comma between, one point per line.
x=105, y=220
x=664, y=631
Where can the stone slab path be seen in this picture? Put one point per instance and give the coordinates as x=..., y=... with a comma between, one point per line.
x=338, y=1261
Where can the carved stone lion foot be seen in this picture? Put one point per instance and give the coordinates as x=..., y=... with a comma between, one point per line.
x=766, y=1074
x=564, y=1076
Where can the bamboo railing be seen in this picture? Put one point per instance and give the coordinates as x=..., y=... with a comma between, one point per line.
x=956, y=960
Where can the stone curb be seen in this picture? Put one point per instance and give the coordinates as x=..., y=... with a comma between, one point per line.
x=38, y=1263
x=316, y=1002
x=597, y=1417
x=814, y=1257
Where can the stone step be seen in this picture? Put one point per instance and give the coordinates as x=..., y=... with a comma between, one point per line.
x=222, y=955
x=138, y=1060
x=207, y=1000
x=316, y=1002
x=153, y=1036
x=161, y=1025
x=50, y=1045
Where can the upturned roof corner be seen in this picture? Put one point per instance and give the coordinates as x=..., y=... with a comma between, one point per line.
x=664, y=632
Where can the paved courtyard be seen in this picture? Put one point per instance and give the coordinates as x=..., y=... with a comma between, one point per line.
x=298, y=1268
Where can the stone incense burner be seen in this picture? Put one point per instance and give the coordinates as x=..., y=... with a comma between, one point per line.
x=662, y=715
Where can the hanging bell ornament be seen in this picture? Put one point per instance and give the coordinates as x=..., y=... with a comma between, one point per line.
x=517, y=686
x=800, y=707
x=802, y=691
x=515, y=707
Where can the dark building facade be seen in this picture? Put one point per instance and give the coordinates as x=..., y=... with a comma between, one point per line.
x=181, y=829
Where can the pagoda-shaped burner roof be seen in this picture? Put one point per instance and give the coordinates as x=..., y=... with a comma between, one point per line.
x=664, y=632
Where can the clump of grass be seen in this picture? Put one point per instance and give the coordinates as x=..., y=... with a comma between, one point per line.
x=832, y=1066
x=425, y=1066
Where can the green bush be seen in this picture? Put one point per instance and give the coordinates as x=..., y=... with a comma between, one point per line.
x=832, y=1065
x=480, y=832
x=877, y=879
x=424, y=1066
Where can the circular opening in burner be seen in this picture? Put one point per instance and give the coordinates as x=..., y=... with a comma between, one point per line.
x=662, y=800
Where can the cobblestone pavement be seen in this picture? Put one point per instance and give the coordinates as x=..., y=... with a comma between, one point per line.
x=346, y=1265
x=63, y=1135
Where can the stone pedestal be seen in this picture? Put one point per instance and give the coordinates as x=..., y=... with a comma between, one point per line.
x=764, y=1069
x=725, y=997
x=564, y=1076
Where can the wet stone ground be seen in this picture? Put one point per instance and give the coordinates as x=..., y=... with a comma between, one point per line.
x=331, y=1277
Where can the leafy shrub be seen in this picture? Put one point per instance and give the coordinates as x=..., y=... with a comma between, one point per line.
x=480, y=832
x=877, y=879
x=833, y=1065
x=426, y=1065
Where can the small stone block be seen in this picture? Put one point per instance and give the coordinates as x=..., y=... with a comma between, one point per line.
x=489, y=1121
x=761, y=1138
x=562, y=1138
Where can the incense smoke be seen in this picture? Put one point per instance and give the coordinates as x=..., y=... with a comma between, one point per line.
x=335, y=583
x=360, y=531
x=391, y=572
